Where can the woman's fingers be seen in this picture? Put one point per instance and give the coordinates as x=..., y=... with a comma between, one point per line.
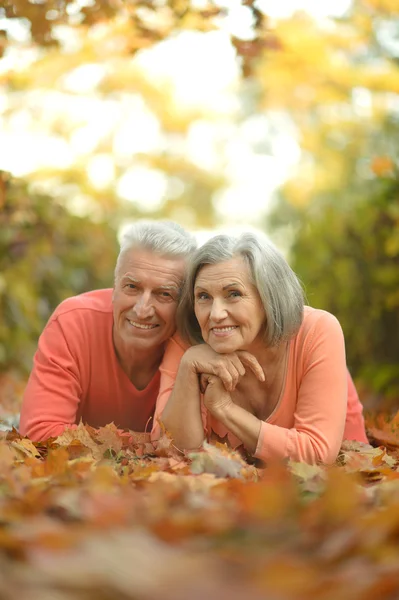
x=230, y=370
x=203, y=382
x=228, y=367
x=227, y=372
x=223, y=367
x=251, y=362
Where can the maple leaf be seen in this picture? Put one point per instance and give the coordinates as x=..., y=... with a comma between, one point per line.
x=110, y=438
x=366, y=457
x=195, y=483
x=80, y=434
x=6, y=456
x=25, y=447
x=213, y=459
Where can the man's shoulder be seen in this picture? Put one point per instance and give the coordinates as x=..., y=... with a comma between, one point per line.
x=175, y=348
x=94, y=302
x=176, y=341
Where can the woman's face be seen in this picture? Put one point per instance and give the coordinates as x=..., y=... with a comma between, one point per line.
x=228, y=307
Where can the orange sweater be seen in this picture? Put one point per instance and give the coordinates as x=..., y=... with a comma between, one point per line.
x=318, y=406
x=76, y=374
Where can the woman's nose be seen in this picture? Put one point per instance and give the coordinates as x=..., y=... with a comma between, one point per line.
x=218, y=311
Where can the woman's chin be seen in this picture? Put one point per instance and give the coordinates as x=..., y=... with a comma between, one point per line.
x=224, y=346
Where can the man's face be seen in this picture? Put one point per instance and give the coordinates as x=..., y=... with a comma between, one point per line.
x=145, y=297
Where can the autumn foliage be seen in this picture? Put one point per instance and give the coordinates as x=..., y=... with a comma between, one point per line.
x=95, y=514
x=100, y=514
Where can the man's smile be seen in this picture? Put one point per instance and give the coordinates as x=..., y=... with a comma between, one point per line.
x=142, y=325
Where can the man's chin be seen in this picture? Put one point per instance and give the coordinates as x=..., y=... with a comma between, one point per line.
x=146, y=342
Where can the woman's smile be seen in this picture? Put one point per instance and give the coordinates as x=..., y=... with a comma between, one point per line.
x=224, y=331
x=228, y=307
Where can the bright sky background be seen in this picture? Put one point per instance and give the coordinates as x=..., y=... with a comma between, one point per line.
x=206, y=80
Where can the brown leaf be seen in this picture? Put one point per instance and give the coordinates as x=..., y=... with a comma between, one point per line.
x=110, y=438
x=81, y=435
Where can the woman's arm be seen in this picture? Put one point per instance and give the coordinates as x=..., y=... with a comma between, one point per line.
x=320, y=410
x=182, y=414
x=241, y=423
x=354, y=426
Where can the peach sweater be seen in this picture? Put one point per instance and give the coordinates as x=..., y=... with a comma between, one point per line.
x=76, y=374
x=318, y=406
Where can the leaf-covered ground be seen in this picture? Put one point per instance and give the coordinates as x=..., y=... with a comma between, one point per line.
x=96, y=514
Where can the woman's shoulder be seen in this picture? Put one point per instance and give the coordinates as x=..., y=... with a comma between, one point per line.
x=320, y=335
x=317, y=322
x=314, y=316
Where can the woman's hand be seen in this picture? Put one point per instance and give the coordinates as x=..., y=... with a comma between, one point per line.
x=237, y=420
x=216, y=398
x=229, y=368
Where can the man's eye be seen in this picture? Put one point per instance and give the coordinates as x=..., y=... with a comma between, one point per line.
x=131, y=286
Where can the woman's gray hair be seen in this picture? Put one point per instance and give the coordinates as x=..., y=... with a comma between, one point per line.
x=165, y=238
x=278, y=286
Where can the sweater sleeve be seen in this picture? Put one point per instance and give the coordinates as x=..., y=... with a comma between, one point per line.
x=354, y=426
x=53, y=392
x=169, y=367
x=320, y=410
x=170, y=364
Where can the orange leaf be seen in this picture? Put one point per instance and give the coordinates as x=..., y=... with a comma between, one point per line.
x=382, y=166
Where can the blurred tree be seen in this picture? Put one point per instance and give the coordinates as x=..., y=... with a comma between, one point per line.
x=117, y=126
x=46, y=254
x=77, y=80
x=335, y=81
x=347, y=255
x=339, y=84
x=150, y=21
x=73, y=76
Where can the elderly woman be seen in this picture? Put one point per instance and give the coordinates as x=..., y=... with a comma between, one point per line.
x=271, y=376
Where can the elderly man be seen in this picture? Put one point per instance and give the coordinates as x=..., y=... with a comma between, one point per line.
x=99, y=355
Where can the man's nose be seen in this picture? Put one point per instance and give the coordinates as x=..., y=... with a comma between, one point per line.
x=144, y=308
x=218, y=310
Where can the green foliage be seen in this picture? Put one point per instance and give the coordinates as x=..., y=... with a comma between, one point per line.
x=347, y=255
x=46, y=255
x=339, y=211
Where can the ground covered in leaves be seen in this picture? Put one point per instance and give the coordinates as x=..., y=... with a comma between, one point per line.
x=97, y=514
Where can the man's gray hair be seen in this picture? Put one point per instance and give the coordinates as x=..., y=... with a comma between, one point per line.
x=165, y=238
x=279, y=288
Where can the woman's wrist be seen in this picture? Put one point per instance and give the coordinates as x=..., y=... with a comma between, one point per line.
x=223, y=410
x=187, y=368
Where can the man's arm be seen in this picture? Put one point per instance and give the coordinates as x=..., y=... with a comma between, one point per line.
x=53, y=392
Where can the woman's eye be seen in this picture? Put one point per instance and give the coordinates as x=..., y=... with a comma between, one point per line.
x=235, y=294
x=202, y=296
x=131, y=286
